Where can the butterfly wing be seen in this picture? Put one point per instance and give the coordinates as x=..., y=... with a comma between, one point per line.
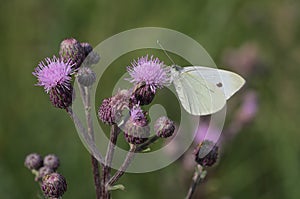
x=198, y=96
x=227, y=81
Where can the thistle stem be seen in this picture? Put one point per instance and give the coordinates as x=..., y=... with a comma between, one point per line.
x=146, y=144
x=122, y=169
x=129, y=157
x=198, y=177
x=108, y=159
x=85, y=95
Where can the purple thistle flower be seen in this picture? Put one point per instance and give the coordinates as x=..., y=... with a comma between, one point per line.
x=55, y=73
x=136, y=128
x=137, y=116
x=150, y=72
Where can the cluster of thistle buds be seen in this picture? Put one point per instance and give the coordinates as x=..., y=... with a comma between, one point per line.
x=55, y=74
x=125, y=108
x=52, y=183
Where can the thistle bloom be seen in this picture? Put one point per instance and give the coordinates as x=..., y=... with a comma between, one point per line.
x=54, y=73
x=150, y=72
x=55, y=77
x=136, y=128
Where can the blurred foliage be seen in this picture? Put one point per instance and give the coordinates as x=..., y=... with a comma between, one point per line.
x=261, y=162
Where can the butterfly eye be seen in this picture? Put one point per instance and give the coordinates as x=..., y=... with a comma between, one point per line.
x=219, y=84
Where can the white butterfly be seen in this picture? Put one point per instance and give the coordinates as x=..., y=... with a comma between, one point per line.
x=203, y=90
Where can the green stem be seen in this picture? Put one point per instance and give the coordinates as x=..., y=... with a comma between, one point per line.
x=198, y=177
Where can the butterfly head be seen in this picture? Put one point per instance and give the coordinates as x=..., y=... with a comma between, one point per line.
x=177, y=68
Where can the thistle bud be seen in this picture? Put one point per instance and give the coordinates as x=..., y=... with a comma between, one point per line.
x=86, y=76
x=143, y=94
x=87, y=48
x=206, y=154
x=136, y=128
x=61, y=97
x=105, y=112
x=54, y=185
x=164, y=127
x=70, y=49
x=51, y=161
x=33, y=161
x=42, y=172
x=110, y=111
x=92, y=58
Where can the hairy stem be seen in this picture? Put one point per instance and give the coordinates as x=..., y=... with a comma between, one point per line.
x=198, y=177
x=129, y=157
x=122, y=169
x=90, y=128
x=108, y=159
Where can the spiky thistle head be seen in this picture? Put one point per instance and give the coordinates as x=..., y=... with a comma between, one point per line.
x=150, y=72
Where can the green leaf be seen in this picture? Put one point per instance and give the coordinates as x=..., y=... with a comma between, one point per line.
x=116, y=187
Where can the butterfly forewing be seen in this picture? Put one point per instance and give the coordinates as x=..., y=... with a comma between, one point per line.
x=227, y=81
x=198, y=96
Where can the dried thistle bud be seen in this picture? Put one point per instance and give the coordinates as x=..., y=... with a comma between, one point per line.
x=164, y=127
x=86, y=76
x=33, y=161
x=105, y=112
x=70, y=49
x=206, y=154
x=51, y=161
x=110, y=111
x=54, y=185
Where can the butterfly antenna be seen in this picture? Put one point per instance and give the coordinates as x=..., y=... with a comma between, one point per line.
x=165, y=52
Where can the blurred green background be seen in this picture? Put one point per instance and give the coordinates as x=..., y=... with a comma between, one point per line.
x=263, y=159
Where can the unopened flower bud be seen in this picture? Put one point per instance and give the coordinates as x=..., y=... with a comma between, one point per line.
x=143, y=94
x=33, y=161
x=206, y=154
x=61, y=97
x=164, y=127
x=86, y=76
x=105, y=112
x=42, y=172
x=70, y=49
x=110, y=111
x=87, y=48
x=54, y=185
x=136, y=128
x=51, y=161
